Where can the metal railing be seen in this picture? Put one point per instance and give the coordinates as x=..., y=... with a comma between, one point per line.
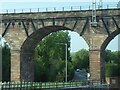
x=38, y=85
x=54, y=9
x=51, y=85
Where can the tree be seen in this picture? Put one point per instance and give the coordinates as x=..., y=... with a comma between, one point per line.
x=50, y=57
x=6, y=62
x=111, y=56
x=81, y=59
x=112, y=63
x=112, y=70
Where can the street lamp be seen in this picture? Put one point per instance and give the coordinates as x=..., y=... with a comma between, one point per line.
x=65, y=59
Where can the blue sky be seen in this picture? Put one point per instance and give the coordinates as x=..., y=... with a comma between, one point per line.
x=56, y=0
x=77, y=42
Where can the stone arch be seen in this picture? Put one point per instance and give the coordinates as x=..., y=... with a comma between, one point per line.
x=109, y=38
x=103, y=47
x=27, y=51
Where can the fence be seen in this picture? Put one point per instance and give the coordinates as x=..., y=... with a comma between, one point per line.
x=50, y=85
x=71, y=8
x=38, y=85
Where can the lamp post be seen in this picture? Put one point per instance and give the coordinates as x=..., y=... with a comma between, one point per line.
x=66, y=63
x=65, y=59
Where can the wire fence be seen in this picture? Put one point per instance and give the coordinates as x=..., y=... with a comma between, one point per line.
x=54, y=9
x=51, y=85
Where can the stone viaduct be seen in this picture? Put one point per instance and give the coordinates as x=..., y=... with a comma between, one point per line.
x=23, y=31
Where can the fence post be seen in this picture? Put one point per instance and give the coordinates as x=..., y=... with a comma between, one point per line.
x=7, y=11
x=54, y=9
x=45, y=84
x=62, y=8
x=72, y=84
x=46, y=9
x=31, y=85
x=16, y=84
x=107, y=6
x=2, y=87
x=12, y=85
x=24, y=85
x=21, y=85
x=22, y=10
x=76, y=83
x=9, y=85
x=69, y=83
x=71, y=8
x=56, y=84
x=63, y=84
x=30, y=10
x=38, y=9
x=41, y=84
x=80, y=7
x=89, y=7
x=14, y=10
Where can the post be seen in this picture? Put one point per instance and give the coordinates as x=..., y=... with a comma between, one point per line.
x=0, y=60
x=1, y=51
x=54, y=9
x=62, y=8
x=80, y=7
x=71, y=8
x=22, y=10
x=7, y=11
x=14, y=10
x=46, y=9
x=30, y=9
x=66, y=63
x=38, y=9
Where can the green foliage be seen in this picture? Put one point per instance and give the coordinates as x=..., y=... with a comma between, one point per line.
x=50, y=57
x=112, y=56
x=112, y=63
x=6, y=63
x=111, y=70
x=81, y=59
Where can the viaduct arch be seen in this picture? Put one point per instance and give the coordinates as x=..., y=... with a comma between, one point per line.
x=28, y=47
x=24, y=30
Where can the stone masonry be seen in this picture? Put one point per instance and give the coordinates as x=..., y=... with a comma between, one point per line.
x=23, y=31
